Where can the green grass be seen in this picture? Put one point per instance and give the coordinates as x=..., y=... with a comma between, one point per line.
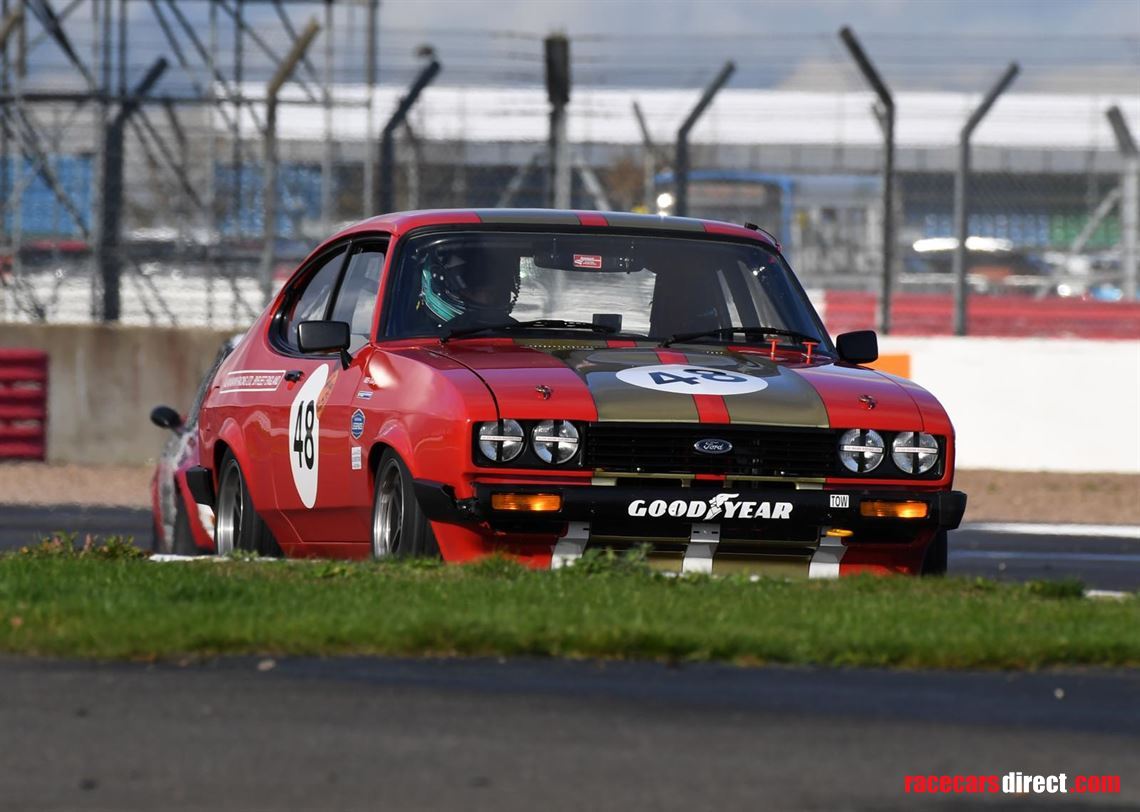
x=107, y=603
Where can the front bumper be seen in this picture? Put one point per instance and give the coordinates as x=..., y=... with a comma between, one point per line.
x=649, y=506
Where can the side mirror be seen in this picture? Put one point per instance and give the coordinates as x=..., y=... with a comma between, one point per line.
x=166, y=418
x=325, y=336
x=859, y=347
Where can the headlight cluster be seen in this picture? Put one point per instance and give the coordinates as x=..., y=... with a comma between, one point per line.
x=862, y=451
x=553, y=442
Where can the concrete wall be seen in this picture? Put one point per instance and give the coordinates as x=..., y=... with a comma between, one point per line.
x=1033, y=404
x=1017, y=404
x=103, y=382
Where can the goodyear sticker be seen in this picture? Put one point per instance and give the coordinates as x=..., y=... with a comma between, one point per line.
x=356, y=426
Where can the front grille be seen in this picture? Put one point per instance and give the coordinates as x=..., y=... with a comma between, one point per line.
x=665, y=449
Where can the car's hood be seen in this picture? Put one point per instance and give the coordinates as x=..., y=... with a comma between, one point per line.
x=583, y=380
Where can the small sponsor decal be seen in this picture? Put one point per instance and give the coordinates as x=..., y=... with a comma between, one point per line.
x=357, y=458
x=726, y=505
x=364, y=394
x=691, y=380
x=587, y=261
x=252, y=380
x=356, y=426
x=712, y=445
x=840, y=500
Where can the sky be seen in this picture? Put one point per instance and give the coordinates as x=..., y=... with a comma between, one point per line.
x=1070, y=46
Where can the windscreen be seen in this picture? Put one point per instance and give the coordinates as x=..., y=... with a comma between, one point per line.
x=635, y=286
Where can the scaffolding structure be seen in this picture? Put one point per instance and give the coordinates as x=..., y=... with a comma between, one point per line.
x=80, y=93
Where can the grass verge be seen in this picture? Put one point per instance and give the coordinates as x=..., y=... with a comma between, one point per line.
x=104, y=602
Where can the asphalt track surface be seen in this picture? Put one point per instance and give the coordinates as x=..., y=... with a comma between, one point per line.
x=390, y=734
x=546, y=735
x=1100, y=562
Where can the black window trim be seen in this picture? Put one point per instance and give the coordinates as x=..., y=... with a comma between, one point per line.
x=350, y=246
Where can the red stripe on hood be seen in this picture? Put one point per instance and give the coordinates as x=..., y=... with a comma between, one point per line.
x=710, y=408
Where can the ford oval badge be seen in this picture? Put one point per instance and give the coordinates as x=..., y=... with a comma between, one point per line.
x=712, y=446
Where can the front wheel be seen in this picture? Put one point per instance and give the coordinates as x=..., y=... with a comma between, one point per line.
x=937, y=555
x=399, y=527
x=238, y=527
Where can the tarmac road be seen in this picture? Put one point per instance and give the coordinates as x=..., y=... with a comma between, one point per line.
x=1002, y=552
x=546, y=735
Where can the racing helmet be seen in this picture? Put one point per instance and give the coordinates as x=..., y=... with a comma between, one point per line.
x=474, y=279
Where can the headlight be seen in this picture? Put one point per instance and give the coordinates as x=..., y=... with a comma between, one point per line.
x=554, y=441
x=914, y=452
x=861, y=450
x=501, y=441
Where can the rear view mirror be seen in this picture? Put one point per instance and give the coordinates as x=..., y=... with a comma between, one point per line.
x=858, y=347
x=325, y=336
x=166, y=418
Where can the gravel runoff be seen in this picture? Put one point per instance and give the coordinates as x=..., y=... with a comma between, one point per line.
x=994, y=495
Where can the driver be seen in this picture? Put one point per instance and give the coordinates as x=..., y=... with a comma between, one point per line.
x=472, y=288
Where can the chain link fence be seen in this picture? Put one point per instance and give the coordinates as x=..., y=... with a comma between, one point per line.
x=791, y=144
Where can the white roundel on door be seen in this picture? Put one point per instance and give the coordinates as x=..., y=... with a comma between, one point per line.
x=691, y=379
x=305, y=436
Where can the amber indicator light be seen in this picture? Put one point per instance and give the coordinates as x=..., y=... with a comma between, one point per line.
x=531, y=502
x=880, y=509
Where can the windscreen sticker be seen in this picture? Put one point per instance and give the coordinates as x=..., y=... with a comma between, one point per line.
x=252, y=380
x=687, y=379
x=305, y=435
x=587, y=261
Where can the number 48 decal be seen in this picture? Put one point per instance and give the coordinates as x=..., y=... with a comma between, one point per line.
x=304, y=446
x=691, y=380
x=304, y=437
x=694, y=375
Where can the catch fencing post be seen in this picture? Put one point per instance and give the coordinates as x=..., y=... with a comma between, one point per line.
x=961, y=195
x=885, y=113
x=681, y=162
x=269, y=189
x=387, y=196
x=1129, y=202
x=558, y=91
x=108, y=228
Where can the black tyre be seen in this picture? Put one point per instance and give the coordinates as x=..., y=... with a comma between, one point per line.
x=238, y=527
x=937, y=555
x=183, y=541
x=399, y=527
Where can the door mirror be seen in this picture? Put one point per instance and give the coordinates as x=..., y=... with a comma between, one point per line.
x=322, y=336
x=166, y=418
x=859, y=347
x=325, y=336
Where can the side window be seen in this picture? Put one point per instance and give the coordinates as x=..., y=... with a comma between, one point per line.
x=356, y=299
x=310, y=301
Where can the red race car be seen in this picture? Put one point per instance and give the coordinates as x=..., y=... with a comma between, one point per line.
x=540, y=382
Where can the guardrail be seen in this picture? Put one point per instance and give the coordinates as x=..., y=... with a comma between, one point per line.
x=23, y=404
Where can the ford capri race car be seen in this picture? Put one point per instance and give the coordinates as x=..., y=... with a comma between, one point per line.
x=540, y=383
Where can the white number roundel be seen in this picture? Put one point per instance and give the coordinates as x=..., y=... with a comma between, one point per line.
x=305, y=436
x=690, y=379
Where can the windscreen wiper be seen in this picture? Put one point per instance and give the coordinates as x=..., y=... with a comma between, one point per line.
x=534, y=324
x=748, y=332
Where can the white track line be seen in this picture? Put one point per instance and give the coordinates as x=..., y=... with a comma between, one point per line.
x=1117, y=531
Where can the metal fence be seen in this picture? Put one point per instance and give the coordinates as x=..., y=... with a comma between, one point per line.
x=141, y=142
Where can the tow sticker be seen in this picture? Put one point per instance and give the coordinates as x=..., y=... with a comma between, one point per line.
x=305, y=436
x=691, y=380
x=587, y=261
